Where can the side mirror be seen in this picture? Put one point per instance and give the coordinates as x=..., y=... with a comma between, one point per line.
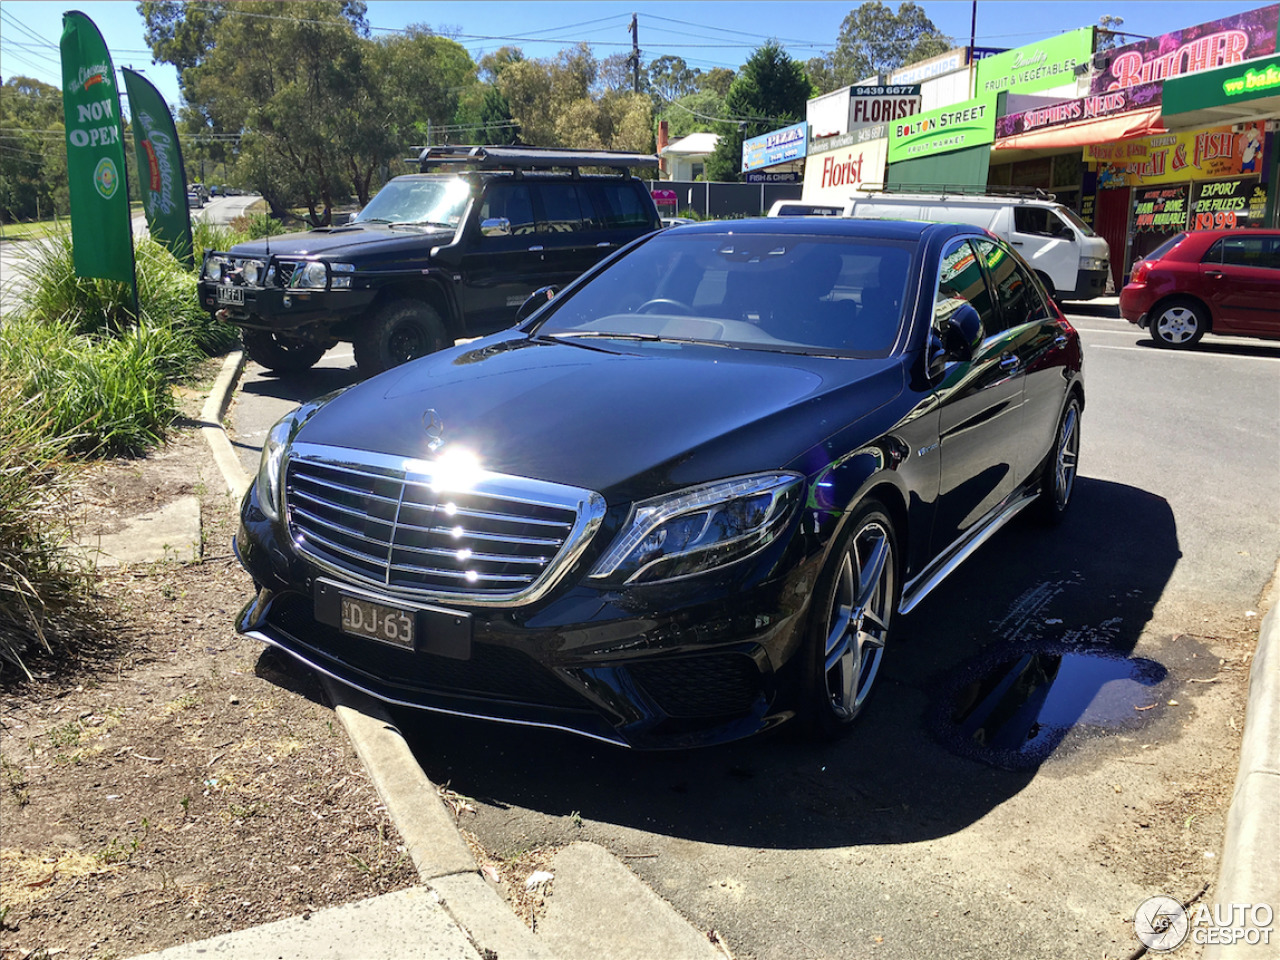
x=495, y=227
x=535, y=300
x=960, y=333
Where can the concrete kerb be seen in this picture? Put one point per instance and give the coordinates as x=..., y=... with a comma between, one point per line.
x=215, y=408
x=1250, y=869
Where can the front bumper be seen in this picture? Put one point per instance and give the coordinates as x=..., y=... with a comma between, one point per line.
x=277, y=309
x=1090, y=284
x=661, y=667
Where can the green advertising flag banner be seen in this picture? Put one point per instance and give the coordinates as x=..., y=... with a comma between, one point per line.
x=957, y=127
x=160, y=170
x=102, y=241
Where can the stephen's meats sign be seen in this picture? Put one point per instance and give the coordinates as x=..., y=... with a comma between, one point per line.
x=1074, y=111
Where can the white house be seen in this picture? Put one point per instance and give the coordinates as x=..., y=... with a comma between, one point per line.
x=686, y=158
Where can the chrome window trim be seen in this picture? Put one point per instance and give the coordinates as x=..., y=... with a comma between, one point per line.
x=589, y=508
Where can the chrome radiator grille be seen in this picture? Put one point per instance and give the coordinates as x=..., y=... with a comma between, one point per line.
x=410, y=527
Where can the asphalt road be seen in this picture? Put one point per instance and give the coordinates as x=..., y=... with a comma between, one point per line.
x=915, y=836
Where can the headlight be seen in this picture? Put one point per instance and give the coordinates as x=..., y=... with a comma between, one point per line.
x=251, y=270
x=269, y=467
x=1093, y=263
x=312, y=276
x=700, y=528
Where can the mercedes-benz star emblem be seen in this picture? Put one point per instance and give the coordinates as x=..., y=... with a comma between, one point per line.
x=434, y=426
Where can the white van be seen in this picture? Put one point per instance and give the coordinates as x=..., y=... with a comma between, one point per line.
x=1072, y=260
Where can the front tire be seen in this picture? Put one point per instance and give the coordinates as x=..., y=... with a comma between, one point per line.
x=1178, y=324
x=281, y=354
x=398, y=332
x=854, y=604
x=1058, y=478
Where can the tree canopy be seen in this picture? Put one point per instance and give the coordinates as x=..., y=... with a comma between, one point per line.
x=873, y=39
x=770, y=91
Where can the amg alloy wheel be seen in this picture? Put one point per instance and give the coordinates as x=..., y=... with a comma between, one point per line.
x=858, y=595
x=1058, y=479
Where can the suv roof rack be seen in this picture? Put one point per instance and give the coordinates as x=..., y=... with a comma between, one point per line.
x=530, y=158
x=961, y=190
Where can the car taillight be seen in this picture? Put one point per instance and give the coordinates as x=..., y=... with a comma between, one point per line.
x=1140, y=272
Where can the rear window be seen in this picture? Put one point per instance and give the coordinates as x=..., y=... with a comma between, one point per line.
x=1165, y=248
x=623, y=206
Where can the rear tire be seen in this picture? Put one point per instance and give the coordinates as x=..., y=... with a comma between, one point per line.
x=398, y=332
x=279, y=353
x=853, y=606
x=1178, y=324
x=1058, y=478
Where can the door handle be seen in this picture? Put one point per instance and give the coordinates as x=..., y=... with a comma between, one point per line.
x=1009, y=364
x=1060, y=341
x=1213, y=273
x=536, y=249
x=604, y=243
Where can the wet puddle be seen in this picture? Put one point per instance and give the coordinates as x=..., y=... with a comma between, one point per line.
x=1013, y=710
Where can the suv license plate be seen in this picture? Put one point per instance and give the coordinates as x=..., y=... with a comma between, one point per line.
x=376, y=621
x=230, y=294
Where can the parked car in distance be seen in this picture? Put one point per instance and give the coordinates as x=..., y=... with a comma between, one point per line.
x=798, y=208
x=687, y=498
x=433, y=257
x=1072, y=261
x=1207, y=281
x=676, y=221
x=194, y=201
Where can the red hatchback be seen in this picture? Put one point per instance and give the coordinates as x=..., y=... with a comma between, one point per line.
x=1208, y=281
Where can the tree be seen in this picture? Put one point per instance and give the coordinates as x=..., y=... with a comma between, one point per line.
x=1109, y=35
x=770, y=91
x=718, y=80
x=874, y=40
x=694, y=113
x=670, y=78
x=33, y=168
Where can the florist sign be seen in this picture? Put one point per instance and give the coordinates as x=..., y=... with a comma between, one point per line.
x=1085, y=108
x=1204, y=47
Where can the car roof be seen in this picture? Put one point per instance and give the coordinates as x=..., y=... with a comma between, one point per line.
x=854, y=228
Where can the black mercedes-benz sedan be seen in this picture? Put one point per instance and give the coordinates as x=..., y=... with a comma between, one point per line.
x=685, y=499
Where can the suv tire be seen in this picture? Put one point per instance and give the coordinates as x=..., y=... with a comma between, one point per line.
x=281, y=354
x=396, y=333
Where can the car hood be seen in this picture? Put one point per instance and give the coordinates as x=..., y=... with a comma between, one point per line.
x=350, y=242
x=626, y=420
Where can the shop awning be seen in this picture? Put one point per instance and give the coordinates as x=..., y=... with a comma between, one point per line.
x=1138, y=123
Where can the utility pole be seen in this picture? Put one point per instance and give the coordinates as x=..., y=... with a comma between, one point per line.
x=635, y=54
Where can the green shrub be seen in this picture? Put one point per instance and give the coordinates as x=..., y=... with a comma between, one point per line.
x=42, y=589
x=256, y=225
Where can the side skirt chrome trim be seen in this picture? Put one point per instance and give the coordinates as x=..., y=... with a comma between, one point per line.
x=960, y=551
x=265, y=638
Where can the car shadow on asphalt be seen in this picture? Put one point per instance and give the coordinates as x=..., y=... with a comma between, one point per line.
x=1089, y=585
x=1214, y=347
x=300, y=387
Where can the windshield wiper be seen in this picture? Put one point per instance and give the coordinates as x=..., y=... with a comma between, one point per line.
x=421, y=223
x=646, y=337
x=371, y=220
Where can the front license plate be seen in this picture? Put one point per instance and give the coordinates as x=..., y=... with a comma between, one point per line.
x=361, y=618
x=229, y=294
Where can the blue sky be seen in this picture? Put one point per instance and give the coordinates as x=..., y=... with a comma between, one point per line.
x=706, y=34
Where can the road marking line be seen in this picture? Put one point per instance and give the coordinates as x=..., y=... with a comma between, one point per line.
x=1157, y=352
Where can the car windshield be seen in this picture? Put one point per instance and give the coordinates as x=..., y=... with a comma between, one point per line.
x=441, y=201
x=1074, y=217
x=777, y=292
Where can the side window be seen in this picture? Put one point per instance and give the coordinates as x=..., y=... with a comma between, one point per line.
x=960, y=281
x=510, y=200
x=565, y=208
x=1018, y=296
x=1031, y=220
x=1248, y=252
x=622, y=205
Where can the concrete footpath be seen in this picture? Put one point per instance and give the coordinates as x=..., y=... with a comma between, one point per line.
x=597, y=908
x=601, y=909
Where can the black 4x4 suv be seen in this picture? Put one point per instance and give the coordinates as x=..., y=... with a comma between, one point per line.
x=433, y=257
